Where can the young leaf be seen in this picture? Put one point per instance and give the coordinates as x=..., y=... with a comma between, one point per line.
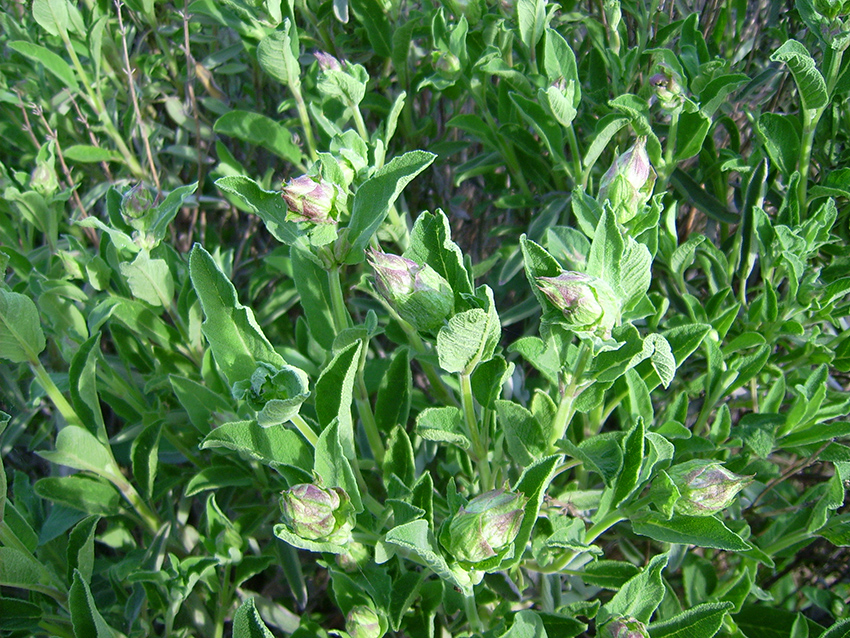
x=443, y=425
x=272, y=446
x=80, y=551
x=247, y=622
x=702, y=531
x=85, y=617
x=334, y=394
x=332, y=465
x=145, y=455
x=701, y=621
x=237, y=341
x=259, y=130
x=469, y=337
x=149, y=279
x=392, y=407
x=640, y=596
x=431, y=243
x=633, y=451
x=523, y=434
x=21, y=338
x=52, y=62
x=399, y=458
x=810, y=82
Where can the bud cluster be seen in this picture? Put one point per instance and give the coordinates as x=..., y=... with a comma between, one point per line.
x=485, y=527
x=318, y=514
x=705, y=487
x=588, y=303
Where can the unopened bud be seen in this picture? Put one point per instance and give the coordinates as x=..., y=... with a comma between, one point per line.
x=624, y=627
x=587, y=302
x=486, y=526
x=363, y=622
x=628, y=183
x=318, y=514
x=327, y=62
x=355, y=558
x=446, y=63
x=136, y=204
x=417, y=292
x=705, y=487
x=666, y=91
x=309, y=200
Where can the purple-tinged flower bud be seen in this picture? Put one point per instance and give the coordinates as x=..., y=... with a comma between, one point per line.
x=355, y=558
x=486, y=526
x=417, y=292
x=363, y=622
x=705, y=487
x=136, y=204
x=446, y=63
x=327, y=62
x=666, y=90
x=309, y=200
x=624, y=627
x=318, y=514
x=588, y=303
x=628, y=183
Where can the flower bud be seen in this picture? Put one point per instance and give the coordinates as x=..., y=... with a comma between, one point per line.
x=309, y=200
x=667, y=91
x=588, y=303
x=418, y=293
x=486, y=526
x=327, y=62
x=705, y=487
x=624, y=627
x=355, y=558
x=446, y=63
x=318, y=514
x=363, y=622
x=136, y=204
x=628, y=183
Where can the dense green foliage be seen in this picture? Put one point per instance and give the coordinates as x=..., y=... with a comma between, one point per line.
x=508, y=319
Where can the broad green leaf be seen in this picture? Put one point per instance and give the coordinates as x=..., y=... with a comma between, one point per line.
x=532, y=19
x=602, y=454
x=52, y=15
x=82, y=492
x=841, y=629
x=640, y=596
x=559, y=60
x=810, y=82
x=247, y=622
x=259, y=130
x=145, y=455
x=523, y=433
x=442, y=425
x=217, y=477
x=80, y=550
x=332, y=465
x=701, y=621
x=268, y=206
x=392, y=406
x=85, y=154
x=781, y=139
x=702, y=531
x=149, y=279
x=488, y=379
x=470, y=337
x=311, y=281
x=52, y=62
x=417, y=537
x=21, y=337
x=23, y=572
x=199, y=402
x=431, y=243
x=526, y=624
x=237, y=341
x=275, y=446
x=167, y=210
x=376, y=195
x=633, y=452
x=78, y=448
x=85, y=617
x=335, y=392
x=275, y=55
x=405, y=591
x=371, y=14
x=399, y=458
x=611, y=574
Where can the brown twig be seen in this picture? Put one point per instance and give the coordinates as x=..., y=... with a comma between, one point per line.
x=790, y=472
x=92, y=138
x=190, y=91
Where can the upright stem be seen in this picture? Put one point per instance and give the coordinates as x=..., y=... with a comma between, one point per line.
x=304, y=428
x=479, y=444
x=305, y=120
x=472, y=613
x=566, y=408
x=342, y=319
x=364, y=409
x=58, y=399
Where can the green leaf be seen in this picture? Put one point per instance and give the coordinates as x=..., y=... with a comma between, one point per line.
x=52, y=62
x=86, y=154
x=275, y=446
x=52, y=16
x=199, y=401
x=247, y=622
x=236, y=339
x=640, y=596
x=532, y=21
x=259, y=130
x=468, y=338
x=810, y=82
x=78, y=448
x=781, y=139
x=23, y=572
x=335, y=392
x=267, y=205
x=311, y=281
x=431, y=243
x=4, y=421
x=332, y=465
x=82, y=492
x=149, y=279
x=217, y=477
x=841, y=629
x=399, y=458
x=488, y=379
x=145, y=455
x=371, y=15
x=693, y=127
x=633, y=452
x=392, y=406
x=702, y=621
x=80, y=550
x=704, y=201
x=85, y=617
x=702, y=531
x=611, y=574
x=523, y=433
x=21, y=337
x=526, y=624
x=442, y=425
x=277, y=57
x=373, y=199
x=416, y=536
x=559, y=61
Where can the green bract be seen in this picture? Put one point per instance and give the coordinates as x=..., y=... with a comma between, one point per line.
x=628, y=184
x=587, y=303
x=705, y=487
x=485, y=527
x=318, y=514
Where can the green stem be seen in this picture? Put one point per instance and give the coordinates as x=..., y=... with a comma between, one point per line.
x=479, y=447
x=669, y=150
x=364, y=409
x=566, y=408
x=358, y=121
x=577, y=175
x=304, y=428
x=342, y=319
x=301, y=106
x=472, y=613
x=149, y=518
x=58, y=399
x=224, y=600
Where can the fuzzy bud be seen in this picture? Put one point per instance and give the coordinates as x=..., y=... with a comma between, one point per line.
x=309, y=200
x=705, y=487
x=667, y=91
x=318, y=514
x=136, y=204
x=486, y=526
x=327, y=62
x=418, y=293
x=629, y=182
x=363, y=622
x=588, y=303
x=624, y=627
